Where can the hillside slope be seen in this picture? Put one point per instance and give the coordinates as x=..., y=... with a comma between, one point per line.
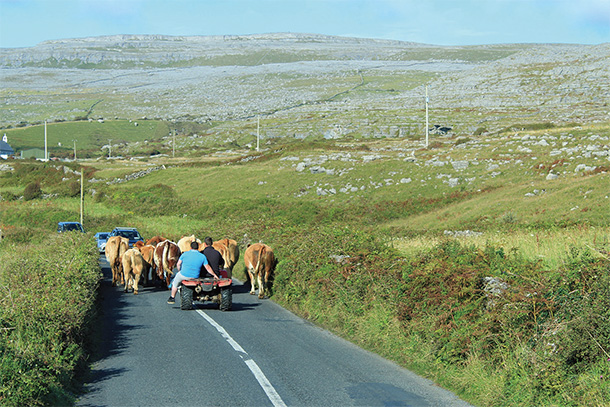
x=292, y=76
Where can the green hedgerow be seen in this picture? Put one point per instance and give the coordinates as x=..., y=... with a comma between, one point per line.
x=47, y=296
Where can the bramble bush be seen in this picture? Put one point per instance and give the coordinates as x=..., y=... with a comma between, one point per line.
x=543, y=337
x=47, y=300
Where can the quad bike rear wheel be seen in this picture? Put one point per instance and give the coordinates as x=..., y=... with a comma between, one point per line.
x=226, y=298
x=186, y=298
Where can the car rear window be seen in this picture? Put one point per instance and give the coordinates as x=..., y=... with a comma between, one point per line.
x=129, y=234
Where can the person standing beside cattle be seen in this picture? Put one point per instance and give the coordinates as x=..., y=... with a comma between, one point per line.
x=189, y=266
x=214, y=257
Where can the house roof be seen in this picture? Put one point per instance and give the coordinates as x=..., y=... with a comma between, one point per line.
x=5, y=148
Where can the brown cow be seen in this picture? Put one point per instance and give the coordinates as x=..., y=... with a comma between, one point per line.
x=133, y=266
x=148, y=255
x=222, y=249
x=185, y=243
x=232, y=253
x=155, y=240
x=166, y=256
x=115, y=248
x=260, y=263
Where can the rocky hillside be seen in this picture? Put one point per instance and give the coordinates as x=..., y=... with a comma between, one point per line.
x=128, y=51
x=367, y=85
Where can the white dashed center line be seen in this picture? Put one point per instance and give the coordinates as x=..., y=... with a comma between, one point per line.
x=267, y=387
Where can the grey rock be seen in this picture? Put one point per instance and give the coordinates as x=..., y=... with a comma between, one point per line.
x=584, y=168
x=494, y=286
x=459, y=165
x=551, y=176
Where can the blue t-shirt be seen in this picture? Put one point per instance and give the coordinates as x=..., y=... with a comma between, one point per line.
x=192, y=261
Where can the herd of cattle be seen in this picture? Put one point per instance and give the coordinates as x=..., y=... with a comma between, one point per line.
x=160, y=256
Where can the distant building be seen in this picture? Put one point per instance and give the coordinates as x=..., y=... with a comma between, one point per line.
x=37, y=153
x=5, y=150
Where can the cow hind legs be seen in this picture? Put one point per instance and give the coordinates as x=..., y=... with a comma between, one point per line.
x=252, y=282
x=261, y=286
x=168, y=280
x=135, y=285
x=131, y=282
x=117, y=279
x=266, y=277
x=262, y=282
x=128, y=283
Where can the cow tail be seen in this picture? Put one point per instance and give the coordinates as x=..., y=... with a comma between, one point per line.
x=118, y=262
x=164, y=259
x=261, y=254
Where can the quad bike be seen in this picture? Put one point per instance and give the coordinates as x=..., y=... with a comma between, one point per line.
x=219, y=291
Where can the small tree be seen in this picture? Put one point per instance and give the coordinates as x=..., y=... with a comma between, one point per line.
x=74, y=189
x=32, y=191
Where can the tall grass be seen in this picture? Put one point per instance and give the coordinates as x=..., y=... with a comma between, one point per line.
x=550, y=246
x=48, y=292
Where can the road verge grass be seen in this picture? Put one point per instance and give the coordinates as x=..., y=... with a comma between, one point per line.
x=469, y=318
x=48, y=291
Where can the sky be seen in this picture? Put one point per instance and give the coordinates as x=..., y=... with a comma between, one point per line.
x=25, y=23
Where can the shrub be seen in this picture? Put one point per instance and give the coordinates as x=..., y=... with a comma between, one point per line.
x=583, y=302
x=509, y=218
x=74, y=189
x=32, y=191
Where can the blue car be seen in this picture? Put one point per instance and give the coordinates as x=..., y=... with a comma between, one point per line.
x=101, y=238
x=130, y=233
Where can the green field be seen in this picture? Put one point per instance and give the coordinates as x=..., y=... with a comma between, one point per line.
x=90, y=136
x=421, y=230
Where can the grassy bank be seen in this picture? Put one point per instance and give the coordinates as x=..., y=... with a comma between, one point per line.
x=493, y=326
x=48, y=291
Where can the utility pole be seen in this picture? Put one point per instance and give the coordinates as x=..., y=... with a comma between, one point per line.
x=74, y=150
x=426, y=116
x=46, y=155
x=82, y=195
x=258, y=128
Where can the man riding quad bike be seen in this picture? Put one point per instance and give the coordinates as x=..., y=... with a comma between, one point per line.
x=219, y=291
x=197, y=279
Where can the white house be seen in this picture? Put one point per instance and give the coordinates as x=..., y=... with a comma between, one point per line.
x=5, y=149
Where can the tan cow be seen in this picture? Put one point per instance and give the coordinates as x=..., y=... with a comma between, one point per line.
x=185, y=243
x=260, y=262
x=116, y=246
x=166, y=256
x=133, y=266
x=222, y=249
x=148, y=255
x=232, y=253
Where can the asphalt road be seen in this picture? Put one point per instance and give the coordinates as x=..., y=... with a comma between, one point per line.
x=153, y=354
